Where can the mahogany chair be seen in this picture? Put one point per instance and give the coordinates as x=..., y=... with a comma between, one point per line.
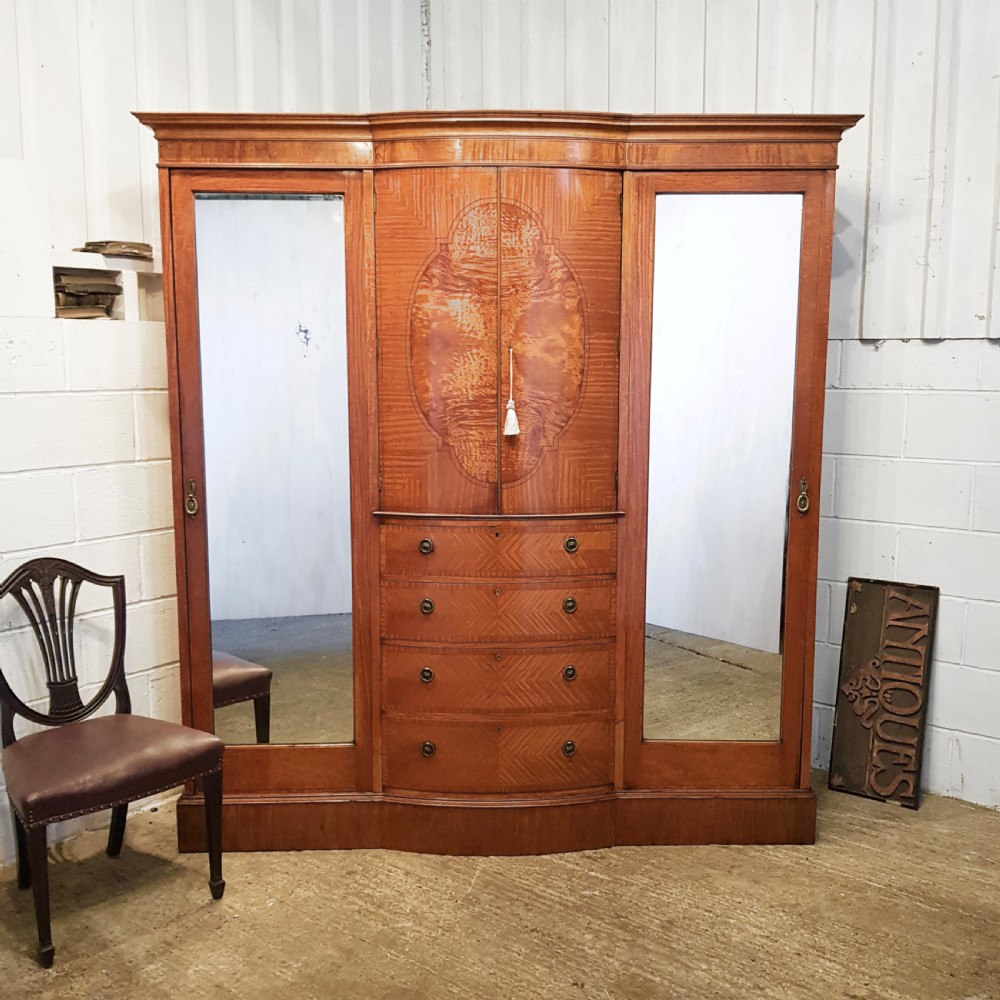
x=82, y=765
x=235, y=680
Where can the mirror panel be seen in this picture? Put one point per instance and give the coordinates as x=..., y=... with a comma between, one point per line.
x=725, y=304
x=273, y=342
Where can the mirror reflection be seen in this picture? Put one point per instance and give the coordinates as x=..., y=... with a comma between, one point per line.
x=722, y=376
x=273, y=339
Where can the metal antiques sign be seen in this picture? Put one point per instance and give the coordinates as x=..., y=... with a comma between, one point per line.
x=885, y=660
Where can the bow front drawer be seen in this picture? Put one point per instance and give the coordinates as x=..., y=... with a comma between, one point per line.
x=421, y=680
x=441, y=611
x=492, y=757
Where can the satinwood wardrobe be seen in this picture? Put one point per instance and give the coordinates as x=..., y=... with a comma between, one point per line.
x=595, y=630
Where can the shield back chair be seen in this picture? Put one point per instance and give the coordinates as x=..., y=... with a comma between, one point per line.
x=235, y=680
x=80, y=764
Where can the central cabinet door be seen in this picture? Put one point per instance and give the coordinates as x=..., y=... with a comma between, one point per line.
x=497, y=284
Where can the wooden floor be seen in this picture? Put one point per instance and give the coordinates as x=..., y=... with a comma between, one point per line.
x=889, y=904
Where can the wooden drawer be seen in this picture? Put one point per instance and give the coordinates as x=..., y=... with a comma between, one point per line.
x=567, y=549
x=452, y=550
x=502, y=549
x=492, y=757
x=427, y=680
x=440, y=611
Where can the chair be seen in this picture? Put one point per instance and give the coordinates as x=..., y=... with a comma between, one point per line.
x=235, y=680
x=82, y=765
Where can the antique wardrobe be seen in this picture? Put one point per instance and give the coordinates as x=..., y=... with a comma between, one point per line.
x=496, y=438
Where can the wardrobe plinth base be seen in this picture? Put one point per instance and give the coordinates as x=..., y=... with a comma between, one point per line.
x=510, y=827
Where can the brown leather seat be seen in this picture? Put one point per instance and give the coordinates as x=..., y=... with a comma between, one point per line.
x=81, y=765
x=235, y=680
x=100, y=763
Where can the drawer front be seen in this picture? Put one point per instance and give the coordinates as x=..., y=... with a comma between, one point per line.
x=488, y=758
x=427, y=680
x=430, y=550
x=502, y=549
x=569, y=549
x=439, y=611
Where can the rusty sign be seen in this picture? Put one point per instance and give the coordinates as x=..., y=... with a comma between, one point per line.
x=885, y=659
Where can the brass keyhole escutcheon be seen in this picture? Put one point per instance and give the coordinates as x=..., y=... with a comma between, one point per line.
x=569, y=672
x=569, y=748
x=802, y=502
x=428, y=749
x=571, y=544
x=569, y=605
x=426, y=546
x=427, y=675
x=427, y=606
x=497, y=592
x=191, y=503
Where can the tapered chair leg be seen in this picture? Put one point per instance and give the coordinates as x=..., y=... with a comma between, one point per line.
x=213, y=831
x=21, y=838
x=40, y=887
x=116, y=835
x=262, y=717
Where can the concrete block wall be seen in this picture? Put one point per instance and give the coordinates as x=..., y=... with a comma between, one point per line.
x=85, y=470
x=912, y=493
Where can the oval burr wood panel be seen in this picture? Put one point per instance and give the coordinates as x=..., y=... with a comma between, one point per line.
x=497, y=756
x=560, y=280
x=568, y=678
x=488, y=612
x=486, y=293
x=437, y=321
x=500, y=549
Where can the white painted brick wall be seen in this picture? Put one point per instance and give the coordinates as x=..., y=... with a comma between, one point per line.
x=85, y=474
x=913, y=444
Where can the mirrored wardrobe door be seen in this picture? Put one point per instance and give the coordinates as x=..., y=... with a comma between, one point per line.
x=722, y=377
x=273, y=355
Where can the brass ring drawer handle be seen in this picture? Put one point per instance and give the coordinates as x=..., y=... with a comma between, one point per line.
x=427, y=675
x=569, y=748
x=569, y=672
x=426, y=546
x=427, y=606
x=428, y=749
x=571, y=544
x=569, y=605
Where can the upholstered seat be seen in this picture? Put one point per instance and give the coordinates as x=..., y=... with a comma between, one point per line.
x=235, y=680
x=82, y=764
x=99, y=763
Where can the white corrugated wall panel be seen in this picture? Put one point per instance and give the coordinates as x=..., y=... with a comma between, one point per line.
x=544, y=54
x=731, y=56
x=902, y=162
x=588, y=48
x=963, y=218
x=845, y=54
x=457, y=27
x=10, y=84
x=916, y=252
x=632, y=64
x=786, y=40
x=680, y=58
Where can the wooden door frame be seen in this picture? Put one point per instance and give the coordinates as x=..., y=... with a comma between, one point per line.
x=650, y=764
x=270, y=769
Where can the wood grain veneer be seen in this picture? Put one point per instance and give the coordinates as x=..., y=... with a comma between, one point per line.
x=498, y=755
x=469, y=233
x=530, y=680
x=498, y=549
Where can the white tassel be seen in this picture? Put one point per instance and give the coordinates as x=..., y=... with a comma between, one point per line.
x=511, y=428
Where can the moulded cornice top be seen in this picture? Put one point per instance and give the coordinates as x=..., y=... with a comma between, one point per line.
x=409, y=137
x=417, y=124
